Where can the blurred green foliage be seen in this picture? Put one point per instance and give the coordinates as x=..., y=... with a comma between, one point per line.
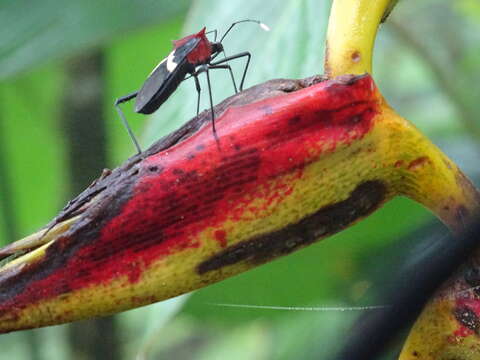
x=426, y=63
x=35, y=32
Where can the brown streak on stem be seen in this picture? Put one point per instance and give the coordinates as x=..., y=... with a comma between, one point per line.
x=363, y=200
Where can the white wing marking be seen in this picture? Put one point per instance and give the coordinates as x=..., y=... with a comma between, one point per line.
x=171, y=65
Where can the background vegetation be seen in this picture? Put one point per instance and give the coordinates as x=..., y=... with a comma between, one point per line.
x=62, y=64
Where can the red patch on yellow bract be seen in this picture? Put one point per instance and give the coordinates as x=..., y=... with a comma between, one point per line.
x=471, y=307
x=462, y=331
x=202, y=184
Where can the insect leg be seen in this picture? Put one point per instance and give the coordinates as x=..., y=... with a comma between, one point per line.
x=124, y=120
x=204, y=68
x=126, y=98
x=214, y=56
x=229, y=69
x=197, y=86
x=226, y=66
x=233, y=57
x=211, y=103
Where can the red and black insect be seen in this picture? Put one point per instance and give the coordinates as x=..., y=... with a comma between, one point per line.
x=192, y=55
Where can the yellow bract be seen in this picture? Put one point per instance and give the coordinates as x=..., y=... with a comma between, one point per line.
x=424, y=174
x=352, y=28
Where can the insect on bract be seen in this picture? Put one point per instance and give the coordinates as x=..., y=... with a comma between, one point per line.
x=193, y=54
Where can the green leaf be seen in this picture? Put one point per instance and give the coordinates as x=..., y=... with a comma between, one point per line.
x=34, y=32
x=470, y=8
x=149, y=323
x=32, y=143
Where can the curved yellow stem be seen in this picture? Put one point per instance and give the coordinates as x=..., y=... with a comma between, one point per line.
x=436, y=180
x=351, y=35
x=424, y=174
x=448, y=326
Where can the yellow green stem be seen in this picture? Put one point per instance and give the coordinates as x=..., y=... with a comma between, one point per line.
x=435, y=180
x=351, y=35
x=424, y=174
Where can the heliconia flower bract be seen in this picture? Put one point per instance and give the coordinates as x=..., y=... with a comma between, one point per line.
x=286, y=171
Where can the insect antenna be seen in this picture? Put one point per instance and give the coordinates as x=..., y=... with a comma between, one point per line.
x=262, y=25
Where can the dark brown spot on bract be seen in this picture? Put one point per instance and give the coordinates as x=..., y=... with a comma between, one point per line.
x=467, y=318
x=155, y=169
x=330, y=219
x=356, y=57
